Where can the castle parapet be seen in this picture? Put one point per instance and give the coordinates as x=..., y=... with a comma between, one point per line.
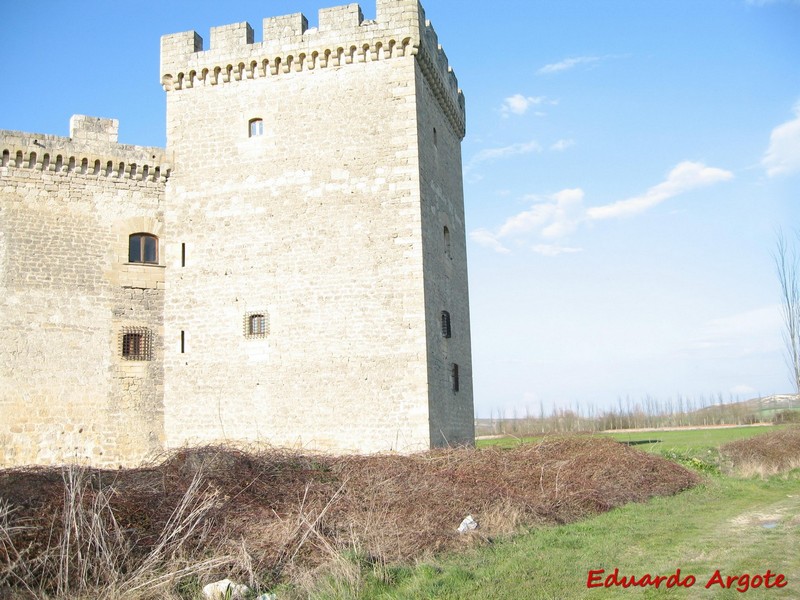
x=343, y=37
x=92, y=149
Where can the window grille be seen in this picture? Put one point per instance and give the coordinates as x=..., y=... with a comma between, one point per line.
x=446, y=332
x=136, y=343
x=256, y=324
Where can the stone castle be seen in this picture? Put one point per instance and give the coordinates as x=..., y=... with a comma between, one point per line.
x=291, y=269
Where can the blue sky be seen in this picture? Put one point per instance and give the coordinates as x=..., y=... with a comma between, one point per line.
x=626, y=167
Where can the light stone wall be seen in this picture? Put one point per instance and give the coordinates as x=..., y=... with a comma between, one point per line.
x=330, y=224
x=320, y=223
x=65, y=217
x=317, y=223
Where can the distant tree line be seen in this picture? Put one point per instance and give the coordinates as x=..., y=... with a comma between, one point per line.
x=649, y=412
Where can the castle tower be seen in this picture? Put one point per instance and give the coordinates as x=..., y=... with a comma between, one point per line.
x=316, y=275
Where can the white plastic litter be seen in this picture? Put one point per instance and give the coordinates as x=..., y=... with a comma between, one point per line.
x=468, y=524
x=221, y=590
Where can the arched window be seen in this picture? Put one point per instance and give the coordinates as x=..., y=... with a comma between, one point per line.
x=446, y=332
x=143, y=248
x=256, y=127
x=446, y=233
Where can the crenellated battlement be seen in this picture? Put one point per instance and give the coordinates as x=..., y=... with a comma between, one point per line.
x=92, y=149
x=342, y=38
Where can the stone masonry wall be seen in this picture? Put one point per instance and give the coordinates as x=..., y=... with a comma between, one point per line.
x=452, y=419
x=310, y=182
x=316, y=224
x=67, y=206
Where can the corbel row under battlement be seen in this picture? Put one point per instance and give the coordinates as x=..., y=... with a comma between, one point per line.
x=91, y=150
x=342, y=38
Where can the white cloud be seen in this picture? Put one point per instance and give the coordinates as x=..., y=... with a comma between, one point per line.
x=562, y=145
x=519, y=104
x=783, y=155
x=490, y=154
x=685, y=177
x=555, y=217
x=486, y=238
x=568, y=63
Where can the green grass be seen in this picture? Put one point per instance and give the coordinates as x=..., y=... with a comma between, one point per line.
x=690, y=440
x=716, y=526
x=734, y=525
x=685, y=440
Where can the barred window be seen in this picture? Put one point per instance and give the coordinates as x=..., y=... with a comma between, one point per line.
x=454, y=376
x=446, y=332
x=136, y=343
x=256, y=324
x=143, y=248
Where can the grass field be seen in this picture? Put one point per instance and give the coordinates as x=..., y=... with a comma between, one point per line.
x=737, y=526
x=383, y=527
x=688, y=440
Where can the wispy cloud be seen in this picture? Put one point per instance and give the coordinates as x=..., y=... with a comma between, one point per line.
x=519, y=104
x=501, y=152
x=783, y=154
x=567, y=64
x=562, y=145
x=551, y=219
x=744, y=334
x=683, y=178
x=486, y=238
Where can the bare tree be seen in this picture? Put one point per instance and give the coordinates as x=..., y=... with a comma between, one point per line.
x=787, y=264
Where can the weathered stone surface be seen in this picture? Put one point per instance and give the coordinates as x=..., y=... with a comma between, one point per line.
x=341, y=223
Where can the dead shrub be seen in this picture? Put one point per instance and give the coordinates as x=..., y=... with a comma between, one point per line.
x=268, y=516
x=764, y=455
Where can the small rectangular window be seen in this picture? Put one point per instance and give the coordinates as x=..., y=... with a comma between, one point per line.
x=132, y=345
x=183, y=255
x=256, y=324
x=454, y=376
x=446, y=331
x=256, y=127
x=183, y=341
x=136, y=343
x=143, y=248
